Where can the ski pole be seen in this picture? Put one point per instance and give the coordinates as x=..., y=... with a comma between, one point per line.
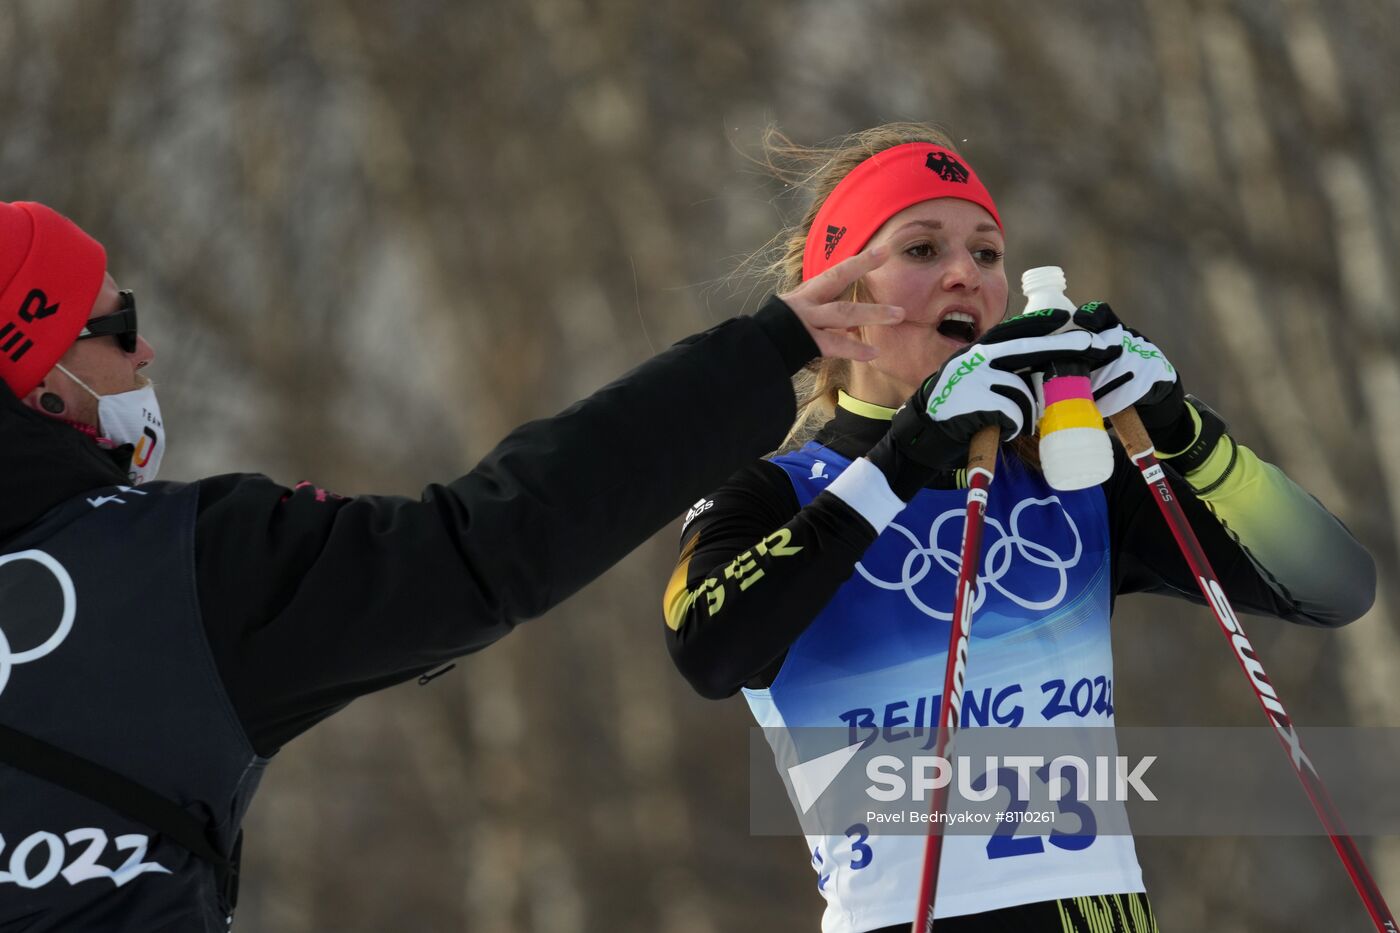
x=981, y=463
x=1139, y=446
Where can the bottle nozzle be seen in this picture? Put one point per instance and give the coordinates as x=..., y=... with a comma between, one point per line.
x=1042, y=278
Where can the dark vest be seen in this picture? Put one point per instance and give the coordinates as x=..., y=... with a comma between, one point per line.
x=103, y=654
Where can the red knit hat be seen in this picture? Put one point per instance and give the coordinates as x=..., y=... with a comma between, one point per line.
x=50, y=274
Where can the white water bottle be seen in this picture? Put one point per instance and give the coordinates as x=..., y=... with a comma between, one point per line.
x=1075, y=452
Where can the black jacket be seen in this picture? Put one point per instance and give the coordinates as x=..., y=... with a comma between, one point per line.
x=308, y=600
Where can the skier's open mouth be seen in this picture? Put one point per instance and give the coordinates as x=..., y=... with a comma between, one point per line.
x=959, y=326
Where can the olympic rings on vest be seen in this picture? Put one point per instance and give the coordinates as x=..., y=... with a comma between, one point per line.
x=9, y=657
x=996, y=563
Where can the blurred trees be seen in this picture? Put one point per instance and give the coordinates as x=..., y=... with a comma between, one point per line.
x=373, y=237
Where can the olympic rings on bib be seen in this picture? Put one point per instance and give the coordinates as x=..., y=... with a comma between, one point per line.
x=9, y=658
x=996, y=565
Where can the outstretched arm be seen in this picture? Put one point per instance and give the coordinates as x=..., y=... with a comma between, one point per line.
x=310, y=599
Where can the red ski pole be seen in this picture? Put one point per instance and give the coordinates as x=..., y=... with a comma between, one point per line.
x=1139, y=446
x=981, y=463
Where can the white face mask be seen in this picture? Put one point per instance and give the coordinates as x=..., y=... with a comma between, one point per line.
x=131, y=418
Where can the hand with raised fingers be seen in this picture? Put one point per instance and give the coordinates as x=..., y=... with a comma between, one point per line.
x=819, y=305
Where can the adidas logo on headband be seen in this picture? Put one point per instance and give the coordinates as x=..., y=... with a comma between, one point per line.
x=833, y=237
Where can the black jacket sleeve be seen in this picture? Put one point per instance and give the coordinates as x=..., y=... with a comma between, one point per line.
x=754, y=572
x=311, y=599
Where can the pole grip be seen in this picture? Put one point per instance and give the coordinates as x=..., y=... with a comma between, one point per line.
x=982, y=451
x=1130, y=431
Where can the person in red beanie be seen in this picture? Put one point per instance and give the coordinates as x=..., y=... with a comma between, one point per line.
x=159, y=641
x=58, y=295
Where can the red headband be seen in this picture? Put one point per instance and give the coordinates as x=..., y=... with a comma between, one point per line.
x=880, y=187
x=50, y=275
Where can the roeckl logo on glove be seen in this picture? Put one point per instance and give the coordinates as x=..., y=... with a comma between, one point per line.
x=1138, y=350
x=965, y=368
x=1043, y=312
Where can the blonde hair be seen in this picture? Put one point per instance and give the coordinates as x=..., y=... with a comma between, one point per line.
x=817, y=170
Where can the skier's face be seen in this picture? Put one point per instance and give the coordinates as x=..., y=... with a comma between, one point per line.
x=945, y=266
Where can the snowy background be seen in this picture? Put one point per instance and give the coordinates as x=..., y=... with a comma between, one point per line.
x=368, y=238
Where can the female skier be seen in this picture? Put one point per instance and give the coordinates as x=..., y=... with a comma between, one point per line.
x=796, y=581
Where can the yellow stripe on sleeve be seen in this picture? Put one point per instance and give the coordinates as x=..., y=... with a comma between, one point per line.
x=678, y=600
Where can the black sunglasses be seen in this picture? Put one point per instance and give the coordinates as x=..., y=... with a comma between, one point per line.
x=120, y=324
